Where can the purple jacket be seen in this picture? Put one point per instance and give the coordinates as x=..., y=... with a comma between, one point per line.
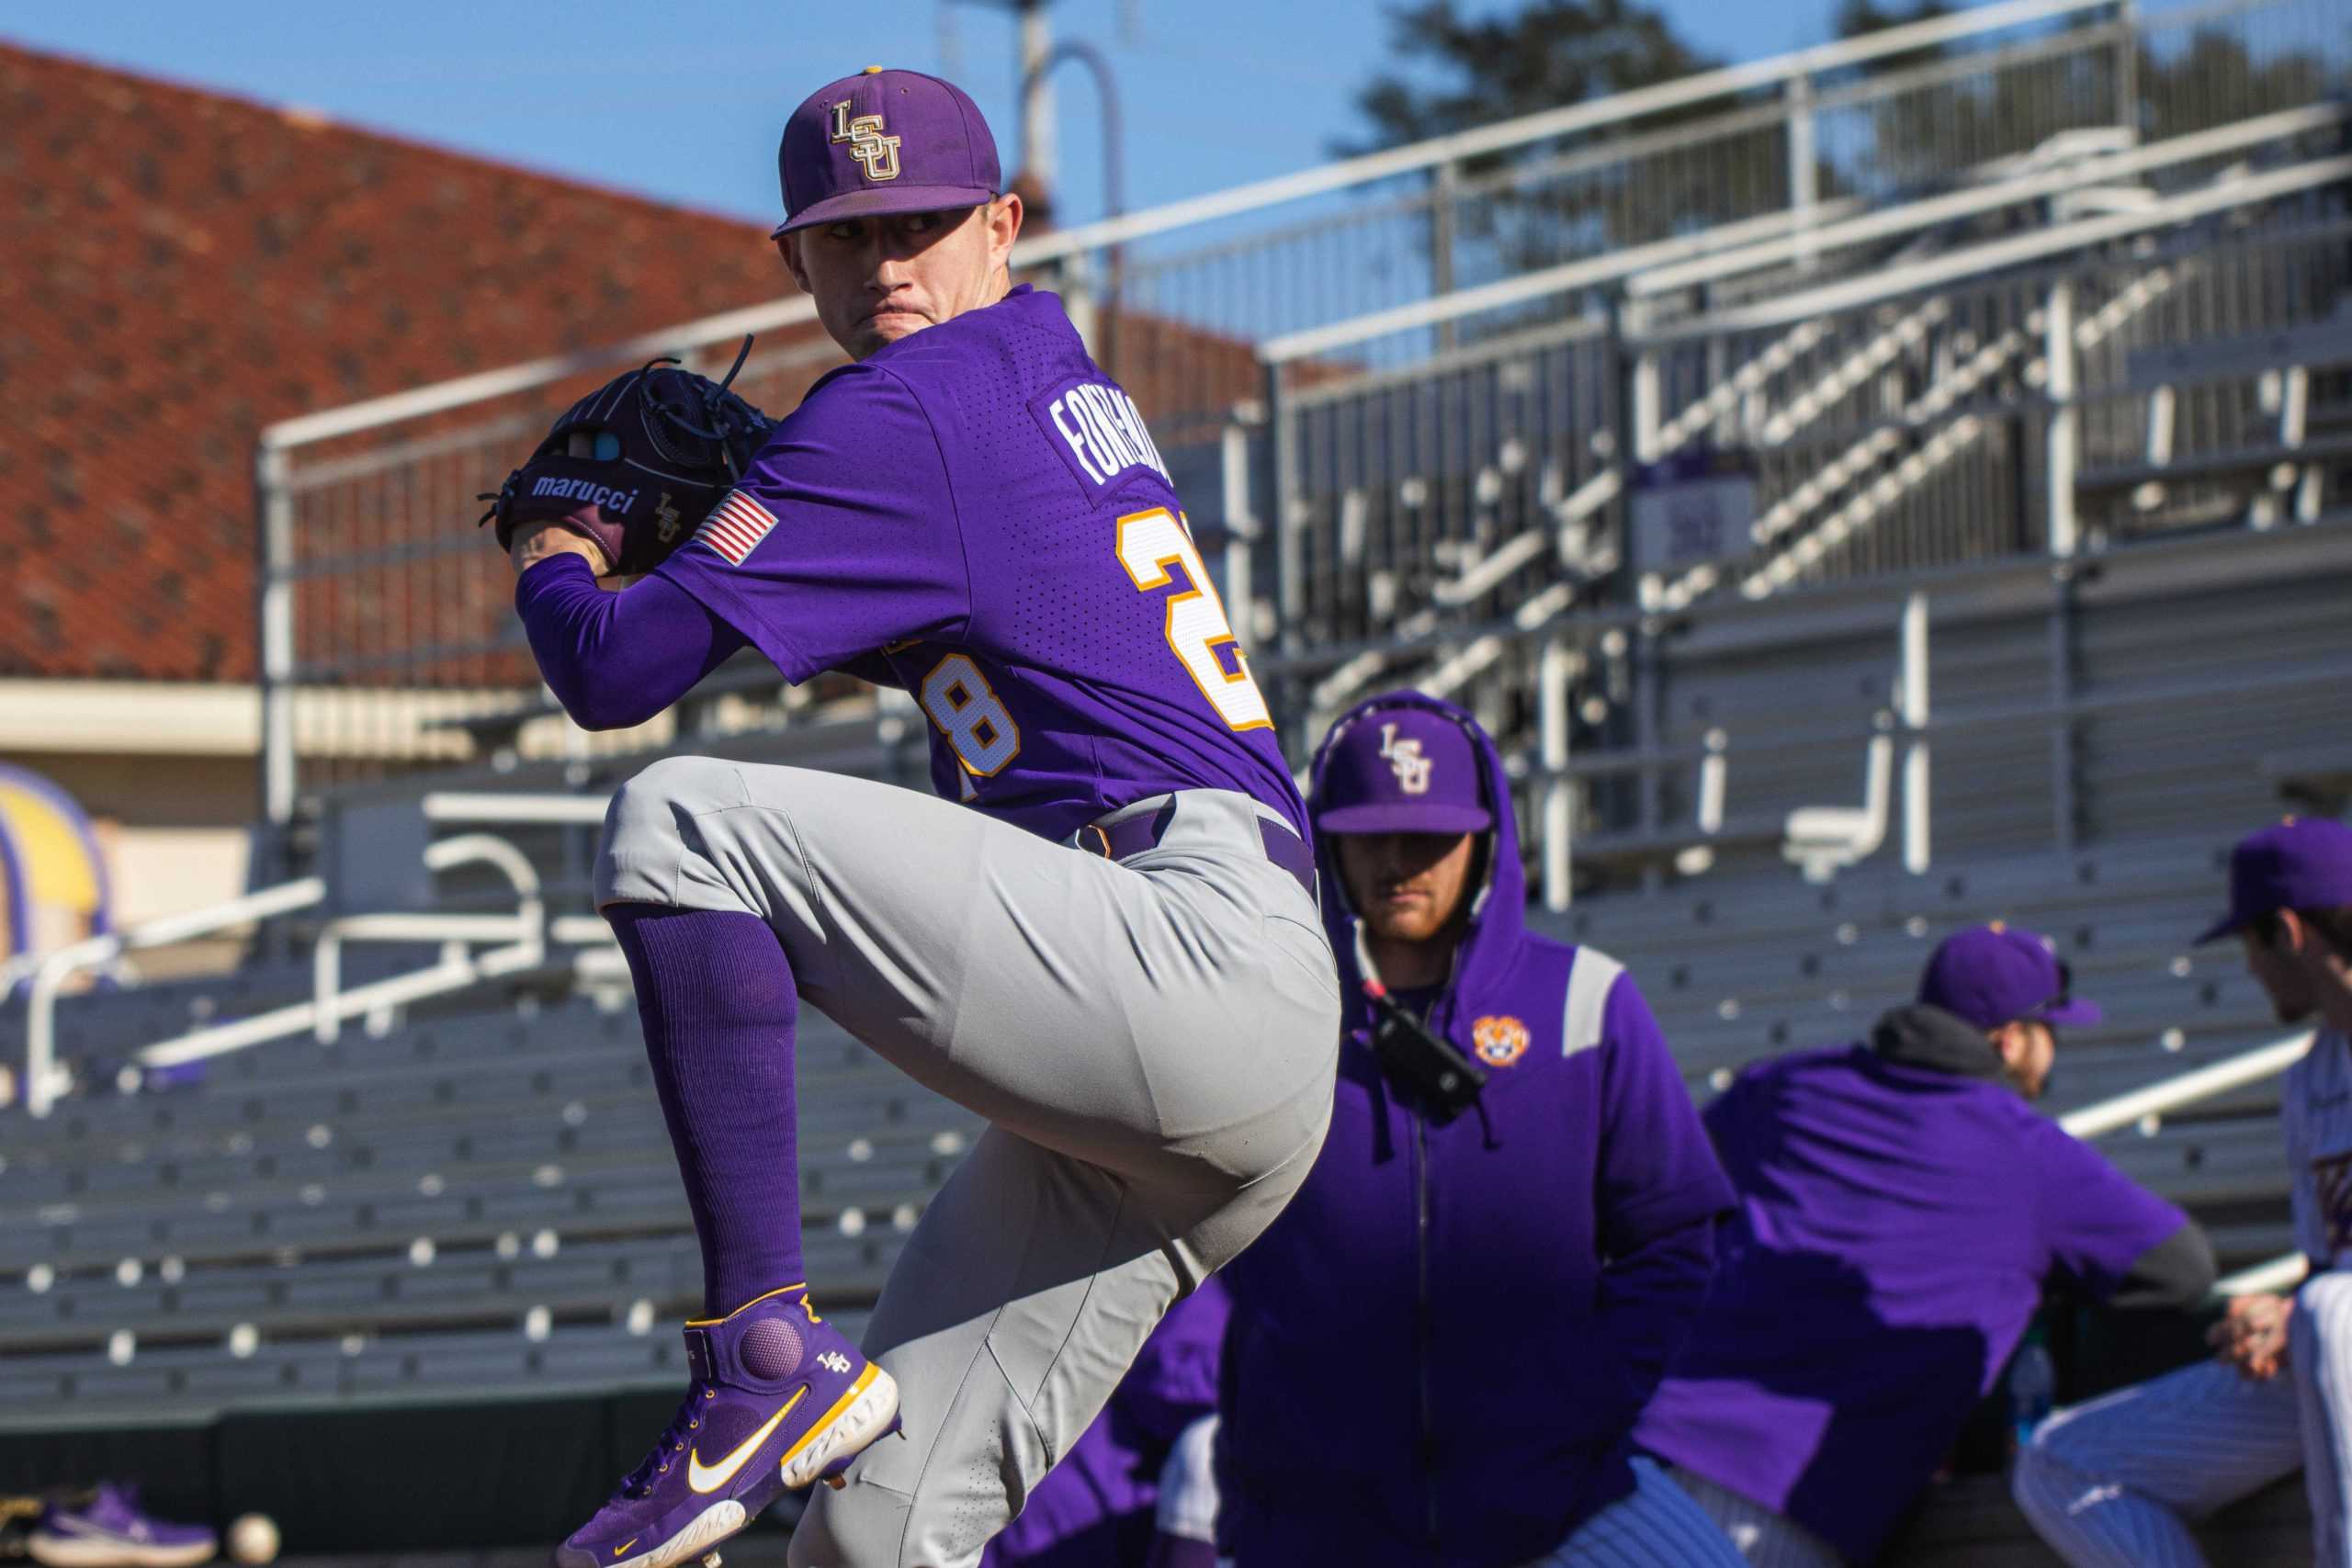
x=1900, y=1206
x=1095, y=1509
x=1438, y=1348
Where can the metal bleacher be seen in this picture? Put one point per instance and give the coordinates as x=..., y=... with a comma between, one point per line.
x=483, y=1200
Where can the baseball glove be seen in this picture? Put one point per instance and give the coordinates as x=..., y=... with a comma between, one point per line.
x=635, y=466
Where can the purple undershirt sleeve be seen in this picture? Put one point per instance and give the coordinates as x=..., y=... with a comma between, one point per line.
x=616, y=660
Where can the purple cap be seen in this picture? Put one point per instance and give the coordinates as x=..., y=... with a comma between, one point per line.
x=1402, y=770
x=884, y=141
x=1996, y=974
x=2303, y=862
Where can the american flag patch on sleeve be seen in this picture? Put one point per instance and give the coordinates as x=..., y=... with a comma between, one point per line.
x=735, y=528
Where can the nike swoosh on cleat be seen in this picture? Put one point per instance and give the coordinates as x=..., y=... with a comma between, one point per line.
x=624, y=1546
x=715, y=1476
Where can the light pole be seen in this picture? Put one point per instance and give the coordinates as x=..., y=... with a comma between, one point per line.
x=1106, y=87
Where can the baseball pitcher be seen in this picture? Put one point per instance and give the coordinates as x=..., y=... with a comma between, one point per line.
x=1103, y=938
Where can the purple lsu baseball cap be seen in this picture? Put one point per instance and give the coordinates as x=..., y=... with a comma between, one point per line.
x=1996, y=974
x=2303, y=863
x=882, y=142
x=1402, y=770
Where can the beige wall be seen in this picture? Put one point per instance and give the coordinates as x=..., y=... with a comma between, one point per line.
x=166, y=772
x=150, y=791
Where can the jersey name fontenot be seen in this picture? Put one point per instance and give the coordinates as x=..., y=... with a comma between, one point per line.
x=735, y=528
x=1099, y=432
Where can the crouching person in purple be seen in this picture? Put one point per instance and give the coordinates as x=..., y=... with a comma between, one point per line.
x=1100, y=1506
x=1900, y=1204
x=1439, y=1350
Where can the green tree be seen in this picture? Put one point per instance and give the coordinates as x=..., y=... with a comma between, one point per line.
x=1582, y=194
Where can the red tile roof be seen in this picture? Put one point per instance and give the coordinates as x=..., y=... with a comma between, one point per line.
x=181, y=268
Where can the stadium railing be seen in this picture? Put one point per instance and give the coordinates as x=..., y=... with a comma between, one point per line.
x=2142, y=1107
x=475, y=948
x=384, y=632
x=1995, y=312
x=1603, y=711
x=52, y=971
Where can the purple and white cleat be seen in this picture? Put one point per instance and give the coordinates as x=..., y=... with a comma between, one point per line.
x=108, y=1531
x=780, y=1399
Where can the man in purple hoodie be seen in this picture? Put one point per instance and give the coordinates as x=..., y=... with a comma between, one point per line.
x=1439, y=1350
x=1901, y=1203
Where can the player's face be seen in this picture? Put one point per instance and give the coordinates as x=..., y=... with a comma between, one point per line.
x=2274, y=967
x=876, y=280
x=2028, y=1050
x=1406, y=887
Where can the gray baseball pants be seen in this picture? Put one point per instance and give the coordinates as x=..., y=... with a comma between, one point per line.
x=1154, y=1041
x=2114, y=1483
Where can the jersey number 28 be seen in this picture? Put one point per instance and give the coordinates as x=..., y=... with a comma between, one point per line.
x=973, y=719
x=1197, y=630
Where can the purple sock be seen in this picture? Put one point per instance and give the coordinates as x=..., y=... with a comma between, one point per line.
x=715, y=993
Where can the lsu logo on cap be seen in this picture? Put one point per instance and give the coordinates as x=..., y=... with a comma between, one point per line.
x=875, y=153
x=1405, y=760
x=1500, y=1042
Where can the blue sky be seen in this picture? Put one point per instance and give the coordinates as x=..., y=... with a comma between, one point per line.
x=684, y=99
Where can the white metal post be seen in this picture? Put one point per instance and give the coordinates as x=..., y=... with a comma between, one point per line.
x=2127, y=68
x=1913, y=706
x=275, y=507
x=1444, y=192
x=1714, y=779
x=1804, y=175
x=1647, y=400
x=2058, y=353
x=1037, y=105
x=1290, y=527
x=1554, y=672
x=1240, y=524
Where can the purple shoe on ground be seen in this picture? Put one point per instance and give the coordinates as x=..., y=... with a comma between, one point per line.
x=779, y=1400
x=108, y=1531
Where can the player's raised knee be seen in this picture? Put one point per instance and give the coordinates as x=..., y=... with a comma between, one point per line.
x=647, y=825
x=669, y=791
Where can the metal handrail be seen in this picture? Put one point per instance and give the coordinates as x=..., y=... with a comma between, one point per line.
x=522, y=934
x=537, y=810
x=525, y=928
x=1256, y=196
x=2279, y=1275
x=2186, y=1088
x=56, y=968
x=1902, y=221
x=1730, y=250
x=2050, y=240
x=2216, y=1078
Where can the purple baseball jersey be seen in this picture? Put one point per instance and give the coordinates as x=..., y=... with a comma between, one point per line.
x=977, y=514
x=1895, y=1223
